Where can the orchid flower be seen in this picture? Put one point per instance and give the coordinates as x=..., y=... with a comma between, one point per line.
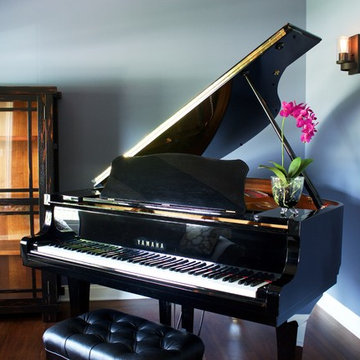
x=306, y=120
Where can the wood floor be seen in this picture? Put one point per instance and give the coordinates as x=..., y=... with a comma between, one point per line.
x=224, y=337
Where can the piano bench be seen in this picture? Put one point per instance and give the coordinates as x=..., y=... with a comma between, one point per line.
x=110, y=334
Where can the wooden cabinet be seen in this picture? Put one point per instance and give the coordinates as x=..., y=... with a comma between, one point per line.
x=28, y=158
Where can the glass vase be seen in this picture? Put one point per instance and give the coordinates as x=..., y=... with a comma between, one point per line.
x=287, y=193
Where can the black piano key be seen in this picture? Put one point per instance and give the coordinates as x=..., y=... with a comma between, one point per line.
x=124, y=255
x=123, y=251
x=207, y=270
x=141, y=256
x=224, y=273
x=188, y=266
x=99, y=251
x=109, y=254
x=245, y=280
x=258, y=278
x=157, y=261
x=116, y=252
x=216, y=272
x=179, y=267
x=173, y=267
x=145, y=258
x=235, y=277
x=157, y=258
x=231, y=275
x=212, y=271
x=256, y=282
x=253, y=282
x=71, y=245
x=192, y=267
x=164, y=261
x=172, y=263
x=85, y=249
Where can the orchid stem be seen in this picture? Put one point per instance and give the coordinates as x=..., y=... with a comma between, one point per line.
x=282, y=141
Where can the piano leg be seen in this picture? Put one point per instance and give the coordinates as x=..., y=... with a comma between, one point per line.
x=187, y=318
x=290, y=337
x=50, y=295
x=286, y=340
x=165, y=312
x=79, y=292
x=187, y=315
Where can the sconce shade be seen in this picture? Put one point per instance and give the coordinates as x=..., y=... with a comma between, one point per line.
x=343, y=44
x=348, y=54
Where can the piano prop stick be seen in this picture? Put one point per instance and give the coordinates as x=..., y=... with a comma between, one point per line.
x=171, y=221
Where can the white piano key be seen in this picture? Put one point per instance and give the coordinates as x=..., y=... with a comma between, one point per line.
x=150, y=272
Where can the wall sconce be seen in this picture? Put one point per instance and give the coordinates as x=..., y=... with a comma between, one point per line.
x=348, y=54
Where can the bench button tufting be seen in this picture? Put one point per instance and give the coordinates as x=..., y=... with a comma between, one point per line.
x=110, y=334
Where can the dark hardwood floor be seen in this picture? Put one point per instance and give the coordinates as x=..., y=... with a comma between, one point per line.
x=224, y=338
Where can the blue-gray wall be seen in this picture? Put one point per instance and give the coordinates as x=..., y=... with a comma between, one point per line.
x=336, y=148
x=125, y=66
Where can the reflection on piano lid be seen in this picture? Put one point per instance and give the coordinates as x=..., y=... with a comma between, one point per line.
x=227, y=114
x=180, y=180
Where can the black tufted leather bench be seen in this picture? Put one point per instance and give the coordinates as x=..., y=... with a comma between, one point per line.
x=108, y=334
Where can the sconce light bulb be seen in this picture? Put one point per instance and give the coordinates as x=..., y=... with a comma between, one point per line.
x=343, y=45
x=348, y=52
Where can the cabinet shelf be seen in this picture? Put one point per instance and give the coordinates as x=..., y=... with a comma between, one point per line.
x=17, y=138
x=9, y=252
x=28, y=149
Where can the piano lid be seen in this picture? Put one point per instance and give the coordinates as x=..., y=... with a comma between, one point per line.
x=227, y=113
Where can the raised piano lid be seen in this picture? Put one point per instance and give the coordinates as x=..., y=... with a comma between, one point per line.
x=227, y=114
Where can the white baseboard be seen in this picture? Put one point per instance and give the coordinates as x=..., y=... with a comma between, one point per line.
x=334, y=308
x=341, y=314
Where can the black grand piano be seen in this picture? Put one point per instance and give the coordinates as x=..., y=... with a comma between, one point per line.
x=172, y=221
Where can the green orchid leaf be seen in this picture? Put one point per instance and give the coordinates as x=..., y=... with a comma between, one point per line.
x=280, y=167
x=276, y=171
x=305, y=119
x=303, y=165
x=294, y=167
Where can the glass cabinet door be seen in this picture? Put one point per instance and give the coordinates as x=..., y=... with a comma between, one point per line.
x=19, y=180
x=27, y=171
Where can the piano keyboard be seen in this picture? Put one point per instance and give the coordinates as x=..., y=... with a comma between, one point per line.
x=162, y=267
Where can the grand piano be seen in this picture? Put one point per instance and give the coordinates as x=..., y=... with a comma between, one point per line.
x=171, y=220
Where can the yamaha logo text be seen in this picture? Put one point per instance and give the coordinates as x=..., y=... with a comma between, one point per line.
x=150, y=244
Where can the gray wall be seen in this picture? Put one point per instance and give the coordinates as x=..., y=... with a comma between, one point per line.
x=336, y=152
x=125, y=66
